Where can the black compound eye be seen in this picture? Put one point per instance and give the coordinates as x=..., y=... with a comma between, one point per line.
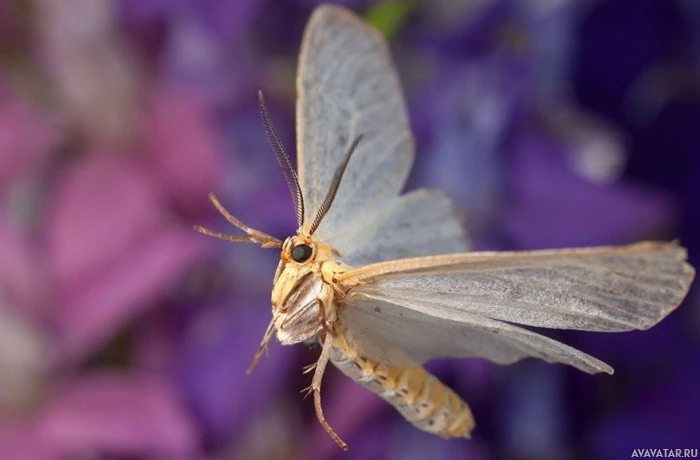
x=302, y=253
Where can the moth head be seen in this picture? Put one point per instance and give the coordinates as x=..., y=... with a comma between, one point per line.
x=299, y=291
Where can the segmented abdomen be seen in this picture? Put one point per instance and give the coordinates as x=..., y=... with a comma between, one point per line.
x=418, y=395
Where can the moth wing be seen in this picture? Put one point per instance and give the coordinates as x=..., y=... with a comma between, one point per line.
x=379, y=327
x=347, y=86
x=599, y=289
x=419, y=223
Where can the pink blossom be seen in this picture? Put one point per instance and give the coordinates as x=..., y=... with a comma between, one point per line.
x=26, y=137
x=182, y=154
x=127, y=414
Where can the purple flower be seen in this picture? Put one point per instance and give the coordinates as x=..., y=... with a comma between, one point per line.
x=184, y=166
x=216, y=349
x=93, y=77
x=552, y=206
x=661, y=416
x=103, y=413
x=111, y=250
x=104, y=248
x=230, y=21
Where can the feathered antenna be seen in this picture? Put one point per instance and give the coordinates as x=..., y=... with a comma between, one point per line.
x=335, y=183
x=283, y=159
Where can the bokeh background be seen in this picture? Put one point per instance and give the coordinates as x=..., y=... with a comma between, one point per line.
x=125, y=335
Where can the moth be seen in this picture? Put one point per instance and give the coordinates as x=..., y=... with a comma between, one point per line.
x=384, y=282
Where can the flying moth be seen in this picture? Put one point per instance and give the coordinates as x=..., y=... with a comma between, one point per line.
x=384, y=281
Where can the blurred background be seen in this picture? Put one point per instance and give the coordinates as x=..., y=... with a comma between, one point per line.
x=125, y=335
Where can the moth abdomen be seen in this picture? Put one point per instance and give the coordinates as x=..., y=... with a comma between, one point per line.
x=419, y=396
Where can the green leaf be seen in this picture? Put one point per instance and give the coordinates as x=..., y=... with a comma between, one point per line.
x=388, y=16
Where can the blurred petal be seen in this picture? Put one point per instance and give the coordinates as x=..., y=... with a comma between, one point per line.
x=23, y=362
x=19, y=441
x=217, y=350
x=147, y=10
x=254, y=186
x=595, y=150
x=350, y=409
x=372, y=442
x=347, y=3
x=26, y=139
x=405, y=442
x=229, y=19
x=466, y=116
x=92, y=72
x=125, y=415
x=533, y=392
x=9, y=20
x=274, y=432
x=154, y=344
x=554, y=207
x=94, y=310
x=550, y=29
x=100, y=206
x=664, y=417
x=20, y=278
x=183, y=152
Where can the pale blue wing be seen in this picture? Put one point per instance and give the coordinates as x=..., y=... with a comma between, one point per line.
x=381, y=327
x=347, y=86
x=474, y=297
x=419, y=223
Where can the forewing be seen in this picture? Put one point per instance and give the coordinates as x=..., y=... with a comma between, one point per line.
x=419, y=223
x=347, y=86
x=462, y=305
x=599, y=289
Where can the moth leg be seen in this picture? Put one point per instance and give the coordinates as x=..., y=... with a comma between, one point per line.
x=309, y=368
x=262, y=347
x=307, y=391
x=316, y=387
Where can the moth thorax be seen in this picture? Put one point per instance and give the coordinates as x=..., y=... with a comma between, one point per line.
x=299, y=315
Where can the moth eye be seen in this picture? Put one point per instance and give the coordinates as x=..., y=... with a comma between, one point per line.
x=301, y=253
